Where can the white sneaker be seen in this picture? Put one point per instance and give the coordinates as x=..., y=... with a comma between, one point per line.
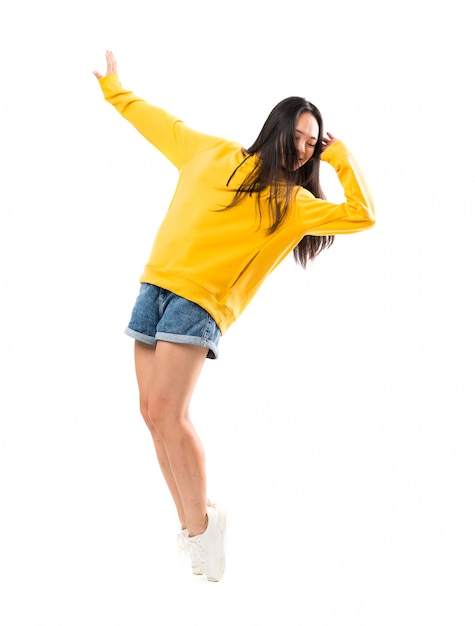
x=196, y=566
x=207, y=550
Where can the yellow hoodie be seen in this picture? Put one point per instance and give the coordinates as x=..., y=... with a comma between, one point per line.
x=219, y=258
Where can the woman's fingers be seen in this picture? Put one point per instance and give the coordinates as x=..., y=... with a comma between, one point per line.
x=111, y=65
x=328, y=140
x=111, y=62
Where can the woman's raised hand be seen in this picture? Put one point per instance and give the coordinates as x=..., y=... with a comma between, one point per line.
x=328, y=140
x=111, y=65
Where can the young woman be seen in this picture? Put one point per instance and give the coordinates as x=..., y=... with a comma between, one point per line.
x=235, y=215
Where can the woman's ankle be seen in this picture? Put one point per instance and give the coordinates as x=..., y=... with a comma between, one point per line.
x=198, y=529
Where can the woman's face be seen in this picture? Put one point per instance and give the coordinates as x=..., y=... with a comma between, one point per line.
x=306, y=135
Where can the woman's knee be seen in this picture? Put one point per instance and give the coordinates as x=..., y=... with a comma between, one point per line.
x=145, y=415
x=164, y=415
x=154, y=413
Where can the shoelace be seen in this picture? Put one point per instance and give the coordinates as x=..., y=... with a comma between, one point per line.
x=191, y=549
x=196, y=551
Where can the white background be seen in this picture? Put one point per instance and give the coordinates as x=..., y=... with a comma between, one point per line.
x=338, y=421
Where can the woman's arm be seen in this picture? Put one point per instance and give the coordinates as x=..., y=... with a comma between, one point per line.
x=171, y=136
x=321, y=217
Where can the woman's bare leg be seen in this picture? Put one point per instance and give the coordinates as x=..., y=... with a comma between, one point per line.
x=167, y=376
x=144, y=364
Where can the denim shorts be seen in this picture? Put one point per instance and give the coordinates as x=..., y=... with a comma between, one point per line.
x=159, y=314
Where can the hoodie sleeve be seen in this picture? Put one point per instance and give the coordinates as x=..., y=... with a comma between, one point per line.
x=176, y=141
x=320, y=217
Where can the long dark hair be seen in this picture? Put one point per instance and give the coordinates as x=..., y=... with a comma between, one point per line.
x=275, y=143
